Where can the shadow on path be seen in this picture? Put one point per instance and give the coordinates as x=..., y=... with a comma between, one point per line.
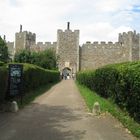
x=60, y=114
x=40, y=122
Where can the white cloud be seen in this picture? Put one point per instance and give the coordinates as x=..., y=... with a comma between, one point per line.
x=97, y=20
x=97, y=30
x=115, y=5
x=102, y=32
x=114, y=34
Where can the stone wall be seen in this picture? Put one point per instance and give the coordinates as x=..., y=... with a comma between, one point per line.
x=40, y=46
x=95, y=55
x=88, y=56
x=132, y=41
x=11, y=49
x=68, y=49
x=27, y=40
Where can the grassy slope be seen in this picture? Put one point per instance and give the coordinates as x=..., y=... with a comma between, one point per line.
x=107, y=105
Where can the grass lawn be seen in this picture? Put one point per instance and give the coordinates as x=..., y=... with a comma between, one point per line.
x=108, y=106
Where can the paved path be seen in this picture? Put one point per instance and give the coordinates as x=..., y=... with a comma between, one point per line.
x=60, y=114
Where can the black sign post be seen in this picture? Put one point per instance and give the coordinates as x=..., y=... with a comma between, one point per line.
x=15, y=80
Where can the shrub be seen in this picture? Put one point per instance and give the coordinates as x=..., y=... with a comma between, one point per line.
x=1, y=63
x=120, y=82
x=46, y=59
x=4, y=56
x=33, y=77
x=3, y=82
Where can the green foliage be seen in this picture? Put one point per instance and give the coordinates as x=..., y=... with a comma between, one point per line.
x=120, y=82
x=108, y=106
x=45, y=59
x=1, y=63
x=23, y=56
x=33, y=78
x=4, y=56
x=3, y=82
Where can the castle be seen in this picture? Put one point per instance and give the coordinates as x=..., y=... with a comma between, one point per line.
x=73, y=57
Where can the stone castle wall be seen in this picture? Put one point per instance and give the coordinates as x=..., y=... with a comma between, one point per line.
x=68, y=49
x=95, y=55
x=88, y=56
x=40, y=46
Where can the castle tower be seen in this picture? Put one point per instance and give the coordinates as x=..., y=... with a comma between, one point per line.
x=24, y=40
x=68, y=50
x=131, y=41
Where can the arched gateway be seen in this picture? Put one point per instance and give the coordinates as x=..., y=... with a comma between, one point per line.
x=66, y=73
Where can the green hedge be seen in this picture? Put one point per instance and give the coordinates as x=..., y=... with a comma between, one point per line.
x=33, y=77
x=121, y=82
x=3, y=82
x=1, y=63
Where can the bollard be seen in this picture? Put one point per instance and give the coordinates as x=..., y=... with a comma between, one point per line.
x=96, y=109
x=14, y=107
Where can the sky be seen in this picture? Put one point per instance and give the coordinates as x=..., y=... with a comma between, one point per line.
x=97, y=20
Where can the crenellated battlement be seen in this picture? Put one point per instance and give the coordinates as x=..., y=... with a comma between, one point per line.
x=26, y=33
x=131, y=35
x=46, y=43
x=40, y=46
x=8, y=42
x=67, y=31
x=102, y=45
x=29, y=33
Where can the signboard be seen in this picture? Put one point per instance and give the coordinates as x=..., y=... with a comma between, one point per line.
x=15, y=79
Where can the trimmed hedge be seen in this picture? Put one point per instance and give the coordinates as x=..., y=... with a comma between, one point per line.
x=3, y=82
x=121, y=82
x=1, y=63
x=33, y=77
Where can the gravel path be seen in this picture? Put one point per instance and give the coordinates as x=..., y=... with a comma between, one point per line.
x=60, y=114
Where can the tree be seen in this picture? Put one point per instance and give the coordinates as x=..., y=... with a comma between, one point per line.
x=46, y=59
x=4, y=55
x=23, y=56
